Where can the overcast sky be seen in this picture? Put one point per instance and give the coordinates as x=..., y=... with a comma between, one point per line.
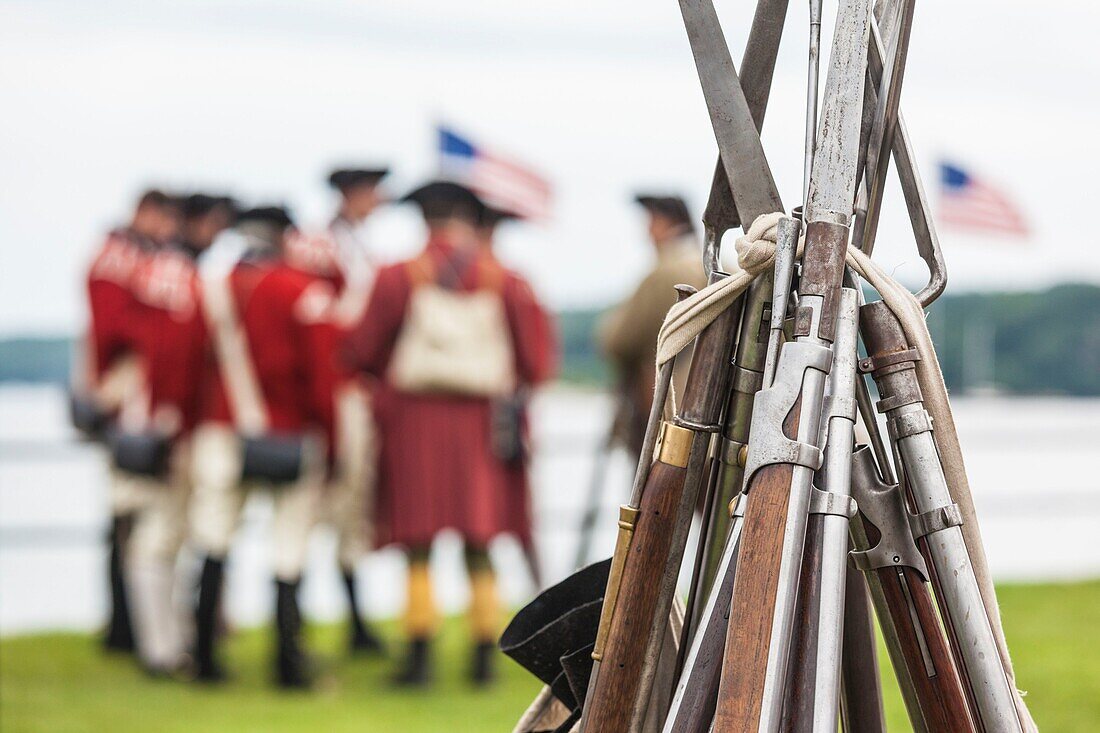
x=102, y=97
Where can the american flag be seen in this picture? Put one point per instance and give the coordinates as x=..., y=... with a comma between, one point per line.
x=968, y=202
x=502, y=182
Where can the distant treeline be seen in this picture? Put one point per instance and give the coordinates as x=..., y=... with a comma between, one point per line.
x=35, y=359
x=1045, y=342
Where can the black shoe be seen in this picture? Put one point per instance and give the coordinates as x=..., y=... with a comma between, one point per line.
x=291, y=663
x=417, y=669
x=483, y=669
x=361, y=637
x=119, y=635
x=206, y=666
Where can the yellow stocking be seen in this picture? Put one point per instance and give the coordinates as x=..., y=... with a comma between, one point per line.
x=484, y=604
x=420, y=613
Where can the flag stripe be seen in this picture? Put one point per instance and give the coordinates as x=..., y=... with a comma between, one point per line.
x=503, y=182
x=970, y=203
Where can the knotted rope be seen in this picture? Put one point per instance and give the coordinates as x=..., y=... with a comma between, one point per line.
x=755, y=254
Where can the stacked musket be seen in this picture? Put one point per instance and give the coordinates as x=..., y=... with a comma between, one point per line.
x=804, y=529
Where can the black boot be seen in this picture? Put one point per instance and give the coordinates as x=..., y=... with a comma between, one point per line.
x=483, y=669
x=207, y=668
x=361, y=637
x=119, y=635
x=417, y=669
x=291, y=665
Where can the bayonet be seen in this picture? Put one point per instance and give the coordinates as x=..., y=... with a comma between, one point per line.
x=885, y=119
x=813, y=73
x=758, y=67
x=739, y=147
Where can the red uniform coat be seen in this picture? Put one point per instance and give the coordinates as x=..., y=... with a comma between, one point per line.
x=171, y=336
x=285, y=314
x=437, y=469
x=113, y=327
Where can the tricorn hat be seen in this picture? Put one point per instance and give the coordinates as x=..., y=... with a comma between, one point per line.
x=670, y=206
x=553, y=636
x=195, y=205
x=276, y=216
x=445, y=199
x=491, y=216
x=345, y=178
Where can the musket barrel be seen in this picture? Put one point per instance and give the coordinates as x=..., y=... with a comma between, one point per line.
x=861, y=708
x=893, y=364
x=696, y=695
x=922, y=661
x=815, y=676
x=746, y=381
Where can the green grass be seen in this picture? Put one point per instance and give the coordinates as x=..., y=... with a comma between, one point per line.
x=61, y=682
x=1053, y=632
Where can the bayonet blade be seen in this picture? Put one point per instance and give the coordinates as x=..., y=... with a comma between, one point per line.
x=741, y=154
x=758, y=67
x=833, y=180
x=885, y=124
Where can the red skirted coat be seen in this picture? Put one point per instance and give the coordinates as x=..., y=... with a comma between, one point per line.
x=437, y=467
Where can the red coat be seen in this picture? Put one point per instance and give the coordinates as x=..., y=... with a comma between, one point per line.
x=171, y=334
x=113, y=325
x=317, y=255
x=285, y=316
x=437, y=469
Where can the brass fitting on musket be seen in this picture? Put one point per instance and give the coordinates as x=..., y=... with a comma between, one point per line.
x=628, y=518
x=732, y=508
x=674, y=445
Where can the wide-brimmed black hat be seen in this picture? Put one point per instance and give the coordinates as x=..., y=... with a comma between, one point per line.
x=344, y=178
x=195, y=205
x=446, y=199
x=670, y=206
x=553, y=636
x=276, y=216
x=491, y=216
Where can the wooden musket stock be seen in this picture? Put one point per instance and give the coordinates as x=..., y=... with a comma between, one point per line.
x=798, y=715
x=627, y=658
x=924, y=650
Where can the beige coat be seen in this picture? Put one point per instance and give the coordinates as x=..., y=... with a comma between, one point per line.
x=627, y=335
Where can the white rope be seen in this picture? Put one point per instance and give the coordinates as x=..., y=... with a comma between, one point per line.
x=755, y=254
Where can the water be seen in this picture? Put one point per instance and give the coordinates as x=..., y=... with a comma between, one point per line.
x=1031, y=464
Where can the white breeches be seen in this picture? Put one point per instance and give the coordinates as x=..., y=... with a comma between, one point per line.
x=160, y=615
x=220, y=493
x=160, y=525
x=127, y=493
x=349, y=497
